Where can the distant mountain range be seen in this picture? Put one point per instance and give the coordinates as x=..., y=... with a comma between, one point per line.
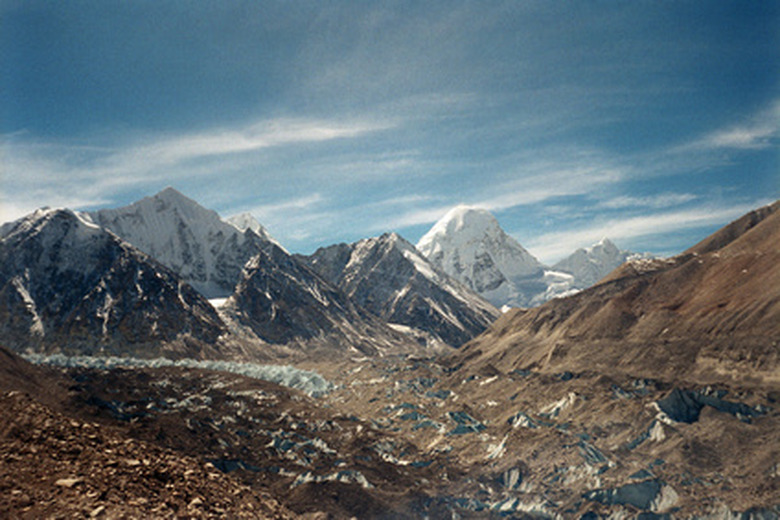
x=469, y=244
x=141, y=273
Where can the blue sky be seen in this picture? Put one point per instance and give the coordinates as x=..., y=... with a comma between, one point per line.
x=652, y=123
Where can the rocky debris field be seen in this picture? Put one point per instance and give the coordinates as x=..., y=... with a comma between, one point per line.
x=572, y=444
x=393, y=438
x=55, y=466
x=311, y=456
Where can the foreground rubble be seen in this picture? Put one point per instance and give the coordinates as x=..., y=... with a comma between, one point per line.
x=54, y=466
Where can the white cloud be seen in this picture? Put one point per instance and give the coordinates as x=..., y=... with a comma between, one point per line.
x=265, y=134
x=404, y=200
x=757, y=133
x=416, y=217
x=37, y=173
x=755, y=137
x=281, y=210
x=551, y=247
x=664, y=200
x=535, y=183
x=557, y=182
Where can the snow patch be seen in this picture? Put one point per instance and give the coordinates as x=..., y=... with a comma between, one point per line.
x=36, y=328
x=217, y=303
x=496, y=451
x=554, y=409
x=345, y=477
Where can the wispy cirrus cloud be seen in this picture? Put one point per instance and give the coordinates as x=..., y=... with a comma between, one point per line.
x=255, y=137
x=663, y=200
x=553, y=246
x=760, y=131
x=534, y=184
x=284, y=208
x=559, y=181
x=746, y=137
x=39, y=173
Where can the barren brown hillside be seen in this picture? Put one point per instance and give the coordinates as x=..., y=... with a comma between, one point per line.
x=712, y=311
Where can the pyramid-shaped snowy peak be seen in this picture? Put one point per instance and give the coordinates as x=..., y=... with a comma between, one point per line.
x=206, y=251
x=469, y=245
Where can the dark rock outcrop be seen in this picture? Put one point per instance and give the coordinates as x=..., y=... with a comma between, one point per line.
x=686, y=405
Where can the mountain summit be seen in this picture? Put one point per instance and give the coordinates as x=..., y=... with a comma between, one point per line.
x=590, y=264
x=468, y=244
x=207, y=252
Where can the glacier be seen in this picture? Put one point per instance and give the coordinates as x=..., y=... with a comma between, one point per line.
x=306, y=381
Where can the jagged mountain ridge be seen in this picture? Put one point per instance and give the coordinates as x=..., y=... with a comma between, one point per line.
x=295, y=310
x=68, y=285
x=284, y=301
x=588, y=265
x=709, y=313
x=387, y=276
x=469, y=245
x=206, y=251
x=209, y=253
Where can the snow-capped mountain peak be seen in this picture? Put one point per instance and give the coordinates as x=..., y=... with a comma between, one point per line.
x=604, y=247
x=588, y=265
x=193, y=241
x=187, y=207
x=467, y=223
x=244, y=221
x=469, y=245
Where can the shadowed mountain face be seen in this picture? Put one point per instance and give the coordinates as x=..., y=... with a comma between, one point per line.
x=68, y=285
x=284, y=301
x=387, y=276
x=709, y=313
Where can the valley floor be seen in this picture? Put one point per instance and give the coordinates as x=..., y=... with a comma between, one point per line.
x=394, y=438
